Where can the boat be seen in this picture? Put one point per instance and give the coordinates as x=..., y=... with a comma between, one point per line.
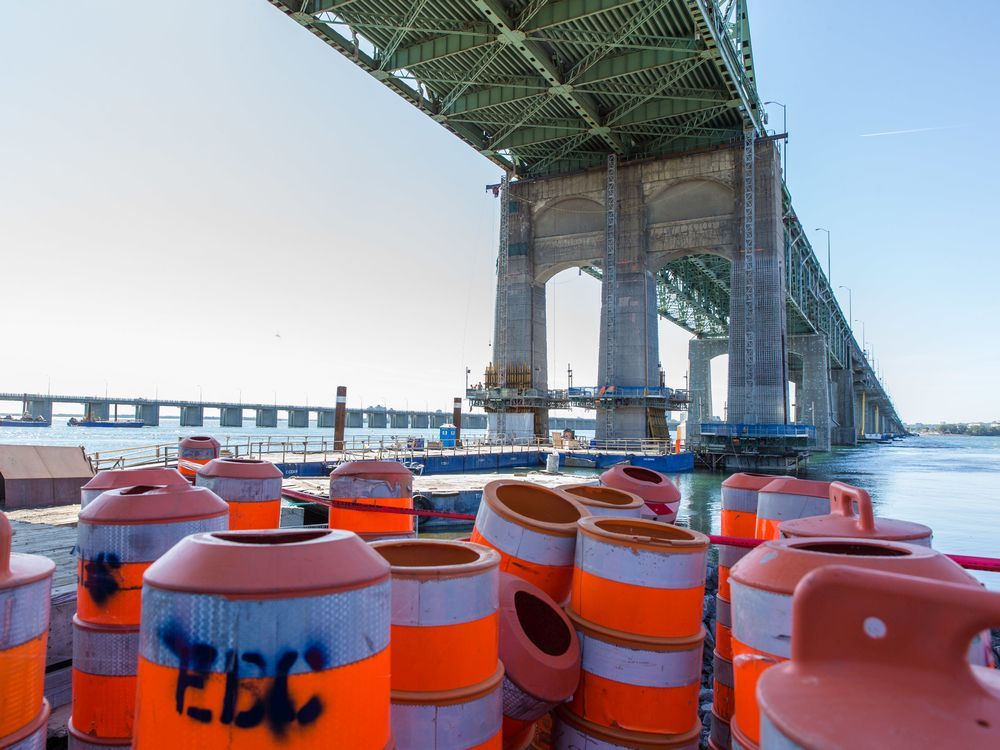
x=74, y=422
x=25, y=420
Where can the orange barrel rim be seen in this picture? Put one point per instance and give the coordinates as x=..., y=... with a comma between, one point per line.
x=32, y=736
x=467, y=718
x=723, y=698
x=194, y=451
x=570, y=731
x=250, y=487
x=25, y=593
x=104, y=666
x=605, y=501
x=539, y=649
x=444, y=613
x=122, y=532
x=534, y=530
x=657, y=490
x=629, y=572
x=739, y=502
x=372, y=483
x=637, y=683
x=256, y=638
x=113, y=479
x=740, y=740
x=786, y=498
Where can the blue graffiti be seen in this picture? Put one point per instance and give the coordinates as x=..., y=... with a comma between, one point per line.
x=99, y=578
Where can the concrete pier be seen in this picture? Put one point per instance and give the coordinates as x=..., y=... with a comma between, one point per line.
x=298, y=418
x=325, y=419
x=267, y=417
x=399, y=419
x=231, y=417
x=377, y=419
x=701, y=352
x=42, y=408
x=192, y=416
x=148, y=413
x=355, y=420
x=97, y=410
x=420, y=421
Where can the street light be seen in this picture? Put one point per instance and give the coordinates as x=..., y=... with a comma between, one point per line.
x=850, y=304
x=784, y=146
x=864, y=339
x=829, y=278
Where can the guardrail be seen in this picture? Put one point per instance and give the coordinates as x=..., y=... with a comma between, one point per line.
x=736, y=429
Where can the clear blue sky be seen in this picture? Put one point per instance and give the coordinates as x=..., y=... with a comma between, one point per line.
x=203, y=194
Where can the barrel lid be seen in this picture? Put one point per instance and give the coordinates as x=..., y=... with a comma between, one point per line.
x=895, y=670
x=779, y=565
x=543, y=509
x=538, y=643
x=145, y=503
x=436, y=558
x=624, y=738
x=747, y=480
x=796, y=486
x=651, y=486
x=17, y=569
x=110, y=479
x=240, y=468
x=268, y=564
x=599, y=496
x=371, y=468
x=199, y=441
x=641, y=533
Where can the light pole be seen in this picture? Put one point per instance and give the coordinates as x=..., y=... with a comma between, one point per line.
x=850, y=304
x=784, y=146
x=829, y=278
x=864, y=339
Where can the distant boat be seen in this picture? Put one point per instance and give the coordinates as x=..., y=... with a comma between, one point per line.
x=74, y=422
x=25, y=420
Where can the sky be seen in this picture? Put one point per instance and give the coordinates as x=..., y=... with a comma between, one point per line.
x=202, y=199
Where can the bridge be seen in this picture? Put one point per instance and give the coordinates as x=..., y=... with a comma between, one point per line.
x=634, y=145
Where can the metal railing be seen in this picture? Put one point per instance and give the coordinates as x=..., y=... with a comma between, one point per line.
x=739, y=429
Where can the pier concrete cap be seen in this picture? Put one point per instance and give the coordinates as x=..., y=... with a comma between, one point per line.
x=531, y=505
x=269, y=564
x=749, y=481
x=621, y=738
x=795, y=486
x=651, y=486
x=145, y=504
x=17, y=569
x=239, y=468
x=111, y=479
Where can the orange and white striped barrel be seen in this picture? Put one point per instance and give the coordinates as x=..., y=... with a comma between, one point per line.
x=723, y=697
x=444, y=613
x=34, y=736
x=639, y=576
x=533, y=529
x=122, y=532
x=638, y=683
x=262, y=639
x=25, y=590
x=572, y=732
x=739, y=503
x=540, y=653
x=785, y=498
x=372, y=483
x=251, y=488
x=728, y=557
x=113, y=479
x=606, y=501
x=724, y=627
x=195, y=451
x=104, y=666
x=720, y=735
x=762, y=584
x=660, y=494
x=470, y=718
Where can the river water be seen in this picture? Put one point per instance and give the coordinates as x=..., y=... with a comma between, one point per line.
x=949, y=483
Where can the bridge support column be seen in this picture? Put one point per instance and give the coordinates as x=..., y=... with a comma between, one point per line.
x=231, y=416
x=813, y=397
x=267, y=417
x=419, y=421
x=298, y=419
x=325, y=419
x=629, y=301
x=438, y=419
x=474, y=421
x=701, y=352
x=843, y=390
x=192, y=415
x=98, y=410
x=377, y=420
x=149, y=414
x=399, y=420
x=41, y=408
x=355, y=420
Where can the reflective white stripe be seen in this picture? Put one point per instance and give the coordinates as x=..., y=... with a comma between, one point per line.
x=34, y=741
x=722, y=671
x=640, y=567
x=206, y=454
x=744, y=501
x=105, y=652
x=341, y=399
x=729, y=556
x=617, y=512
x=567, y=737
x=720, y=732
x=24, y=612
x=132, y=543
x=723, y=611
x=519, y=705
x=349, y=488
x=524, y=543
x=327, y=631
x=420, y=726
x=772, y=738
x=445, y=601
x=657, y=669
x=762, y=619
x=234, y=490
x=777, y=506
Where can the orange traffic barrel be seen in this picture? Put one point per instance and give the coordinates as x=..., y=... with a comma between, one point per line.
x=444, y=613
x=541, y=655
x=32, y=736
x=728, y=557
x=122, y=532
x=640, y=576
x=606, y=501
x=762, y=585
x=844, y=521
x=724, y=626
x=739, y=503
x=372, y=483
x=260, y=639
x=194, y=451
x=893, y=679
x=104, y=665
x=533, y=529
x=660, y=494
x=251, y=487
x=638, y=683
x=719, y=737
x=786, y=498
x=113, y=479
x=25, y=590
x=723, y=696
x=573, y=732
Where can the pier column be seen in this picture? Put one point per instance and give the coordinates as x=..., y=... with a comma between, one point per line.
x=149, y=414
x=355, y=420
x=475, y=421
x=231, y=416
x=267, y=417
x=325, y=419
x=814, y=396
x=399, y=419
x=438, y=419
x=298, y=418
x=768, y=402
x=419, y=421
x=701, y=352
x=97, y=410
x=843, y=388
x=40, y=408
x=376, y=419
x=192, y=415
x=630, y=337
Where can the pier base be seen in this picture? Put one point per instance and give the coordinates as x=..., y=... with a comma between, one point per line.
x=149, y=414
x=192, y=416
x=399, y=420
x=298, y=419
x=325, y=420
x=231, y=417
x=355, y=420
x=99, y=410
x=419, y=421
x=41, y=409
x=267, y=418
x=377, y=420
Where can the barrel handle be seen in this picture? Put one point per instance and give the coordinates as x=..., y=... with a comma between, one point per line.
x=842, y=499
x=6, y=540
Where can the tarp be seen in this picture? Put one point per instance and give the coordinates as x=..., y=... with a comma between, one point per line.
x=38, y=475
